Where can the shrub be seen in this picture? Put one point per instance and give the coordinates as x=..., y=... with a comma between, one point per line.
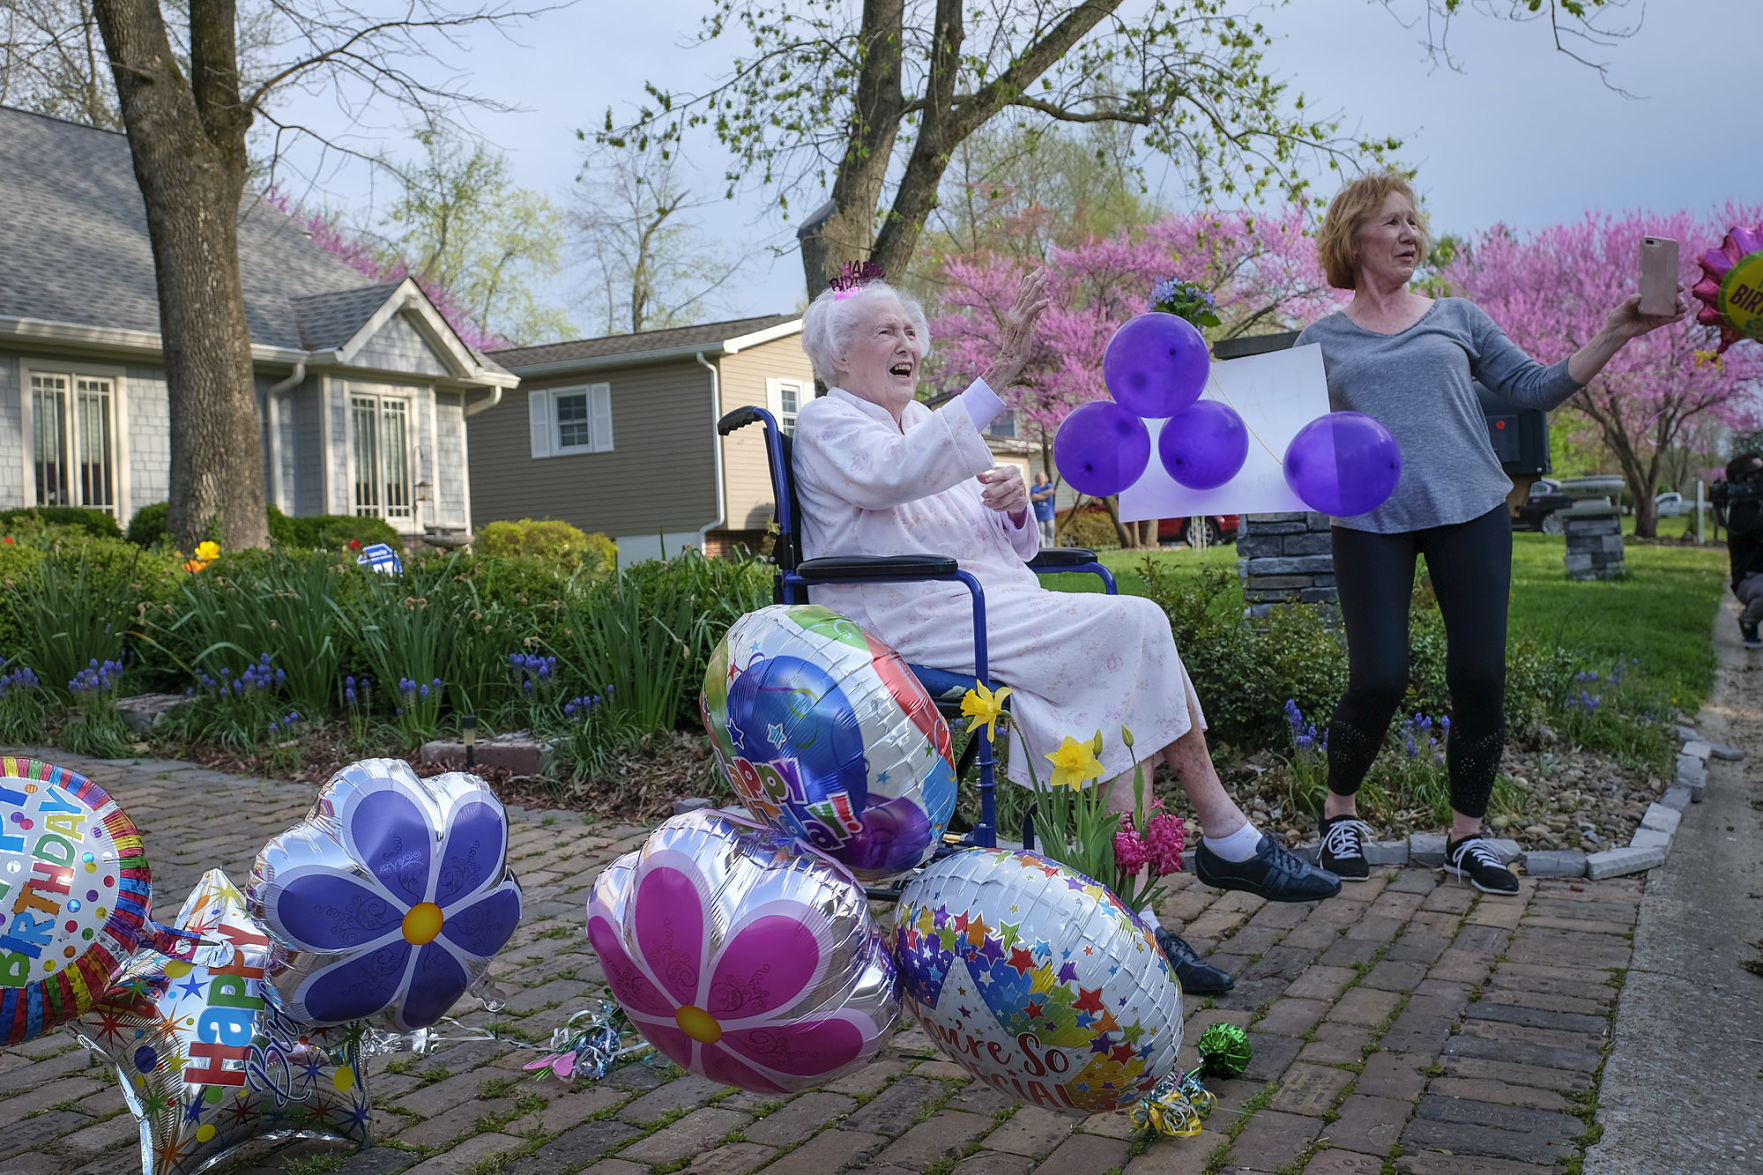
x=331, y=532
x=35, y=518
x=548, y=539
x=282, y=529
x=148, y=527
x=1090, y=528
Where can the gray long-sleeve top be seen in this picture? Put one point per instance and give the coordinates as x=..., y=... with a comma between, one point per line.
x=1419, y=385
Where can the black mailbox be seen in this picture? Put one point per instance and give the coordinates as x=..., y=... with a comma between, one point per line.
x=1520, y=436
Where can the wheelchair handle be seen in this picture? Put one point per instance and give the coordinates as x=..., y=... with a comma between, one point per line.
x=739, y=418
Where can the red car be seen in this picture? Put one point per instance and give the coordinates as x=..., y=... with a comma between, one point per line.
x=1219, y=528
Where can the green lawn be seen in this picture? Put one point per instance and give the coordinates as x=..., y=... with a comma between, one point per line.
x=1661, y=613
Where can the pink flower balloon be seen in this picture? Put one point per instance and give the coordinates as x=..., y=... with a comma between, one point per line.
x=743, y=955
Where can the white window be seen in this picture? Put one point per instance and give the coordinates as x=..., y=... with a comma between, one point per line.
x=380, y=452
x=785, y=398
x=73, y=440
x=570, y=420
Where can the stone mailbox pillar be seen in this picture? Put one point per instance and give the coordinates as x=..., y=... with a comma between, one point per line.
x=1593, y=527
x=1284, y=559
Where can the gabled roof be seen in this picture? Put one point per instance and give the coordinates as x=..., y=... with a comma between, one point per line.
x=716, y=337
x=74, y=252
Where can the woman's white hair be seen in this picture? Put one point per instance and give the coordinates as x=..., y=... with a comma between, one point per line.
x=831, y=320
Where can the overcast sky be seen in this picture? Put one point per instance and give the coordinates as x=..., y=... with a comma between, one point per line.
x=1522, y=134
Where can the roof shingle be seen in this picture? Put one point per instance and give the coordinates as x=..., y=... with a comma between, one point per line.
x=634, y=344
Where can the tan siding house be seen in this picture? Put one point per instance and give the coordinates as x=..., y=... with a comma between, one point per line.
x=618, y=435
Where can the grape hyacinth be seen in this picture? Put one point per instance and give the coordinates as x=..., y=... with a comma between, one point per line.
x=20, y=678
x=96, y=678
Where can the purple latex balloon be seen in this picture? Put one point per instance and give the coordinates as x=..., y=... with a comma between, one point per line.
x=1204, y=446
x=1343, y=464
x=1102, y=448
x=1156, y=365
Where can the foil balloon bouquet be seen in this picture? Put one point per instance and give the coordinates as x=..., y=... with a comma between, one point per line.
x=245, y=1020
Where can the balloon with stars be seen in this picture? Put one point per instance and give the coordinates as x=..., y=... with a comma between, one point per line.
x=206, y=1062
x=1037, y=980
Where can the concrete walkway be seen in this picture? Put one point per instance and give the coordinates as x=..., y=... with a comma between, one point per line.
x=1683, y=1088
x=1410, y=1025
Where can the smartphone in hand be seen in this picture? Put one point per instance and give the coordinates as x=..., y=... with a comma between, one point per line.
x=1658, y=275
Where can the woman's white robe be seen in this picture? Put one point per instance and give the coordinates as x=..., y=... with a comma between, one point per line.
x=1076, y=662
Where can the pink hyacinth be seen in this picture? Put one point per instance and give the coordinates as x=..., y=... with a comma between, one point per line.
x=1164, y=840
x=1130, y=853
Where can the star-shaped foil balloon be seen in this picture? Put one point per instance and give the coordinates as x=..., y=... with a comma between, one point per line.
x=206, y=1063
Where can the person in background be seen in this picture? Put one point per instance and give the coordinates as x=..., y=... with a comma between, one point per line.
x=1041, y=496
x=1739, y=503
x=1410, y=362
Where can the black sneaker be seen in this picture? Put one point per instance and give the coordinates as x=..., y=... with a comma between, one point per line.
x=1751, y=638
x=1343, y=848
x=1472, y=858
x=1274, y=872
x=1198, y=977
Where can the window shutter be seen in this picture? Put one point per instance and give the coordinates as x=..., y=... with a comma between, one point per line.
x=538, y=408
x=600, y=408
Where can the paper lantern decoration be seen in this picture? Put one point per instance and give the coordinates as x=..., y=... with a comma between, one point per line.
x=1037, y=980
x=1155, y=365
x=1731, y=289
x=206, y=1062
x=1101, y=449
x=1343, y=464
x=827, y=736
x=1204, y=446
x=743, y=955
x=390, y=899
x=77, y=887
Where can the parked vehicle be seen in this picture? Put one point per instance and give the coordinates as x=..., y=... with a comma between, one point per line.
x=1540, y=510
x=1672, y=504
x=1210, y=531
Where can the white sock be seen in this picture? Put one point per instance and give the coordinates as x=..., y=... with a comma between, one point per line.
x=1238, y=846
x=1149, y=917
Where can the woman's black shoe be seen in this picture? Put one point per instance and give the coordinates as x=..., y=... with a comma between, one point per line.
x=1343, y=848
x=1198, y=977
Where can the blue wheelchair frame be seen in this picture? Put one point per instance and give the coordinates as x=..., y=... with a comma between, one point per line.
x=796, y=575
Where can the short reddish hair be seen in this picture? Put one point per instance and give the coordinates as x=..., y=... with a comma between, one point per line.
x=1337, y=245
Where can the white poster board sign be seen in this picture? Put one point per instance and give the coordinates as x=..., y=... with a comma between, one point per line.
x=1276, y=394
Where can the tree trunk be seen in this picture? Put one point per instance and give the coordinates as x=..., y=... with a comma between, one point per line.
x=187, y=140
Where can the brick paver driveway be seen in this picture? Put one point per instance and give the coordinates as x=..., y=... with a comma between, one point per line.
x=1407, y=1021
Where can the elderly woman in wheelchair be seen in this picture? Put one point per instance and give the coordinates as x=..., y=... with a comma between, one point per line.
x=878, y=473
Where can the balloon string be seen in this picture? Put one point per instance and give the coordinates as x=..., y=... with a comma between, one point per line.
x=1212, y=382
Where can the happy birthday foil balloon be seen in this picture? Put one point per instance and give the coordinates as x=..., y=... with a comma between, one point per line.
x=74, y=890
x=1731, y=289
x=206, y=1062
x=827, y=736
x=743, y=955
x=1037, y=980
x=388, y=901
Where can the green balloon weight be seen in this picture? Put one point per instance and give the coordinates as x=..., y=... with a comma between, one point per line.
x=1224, y=1051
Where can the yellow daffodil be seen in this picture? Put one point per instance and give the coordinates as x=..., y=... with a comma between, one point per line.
x=207, y=551
x=984, y=708
x=1074, y=764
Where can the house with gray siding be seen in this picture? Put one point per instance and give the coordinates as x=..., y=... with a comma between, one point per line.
x=363, y=389
x=618, y=434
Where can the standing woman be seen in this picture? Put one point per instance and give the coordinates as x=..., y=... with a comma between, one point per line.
x=1409, y=361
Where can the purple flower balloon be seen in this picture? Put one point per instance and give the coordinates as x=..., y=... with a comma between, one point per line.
x=1204, y=446
x=1343, y=464
x=1101, y=449
x=1156, y=365
x=390, y=899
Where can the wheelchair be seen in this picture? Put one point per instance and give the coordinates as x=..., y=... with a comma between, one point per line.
x=796, y=575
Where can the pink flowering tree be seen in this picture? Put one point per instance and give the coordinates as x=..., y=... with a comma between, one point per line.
x=1551, y=290
x=1261, y=269
x=370, y=259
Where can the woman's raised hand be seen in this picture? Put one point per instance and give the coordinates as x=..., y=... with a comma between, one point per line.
x=1019, y=331
x=1627, y=322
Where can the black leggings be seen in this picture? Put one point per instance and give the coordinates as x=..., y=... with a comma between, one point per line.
x=1471, y=568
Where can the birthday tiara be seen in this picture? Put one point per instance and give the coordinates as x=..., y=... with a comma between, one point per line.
x=854, y=276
